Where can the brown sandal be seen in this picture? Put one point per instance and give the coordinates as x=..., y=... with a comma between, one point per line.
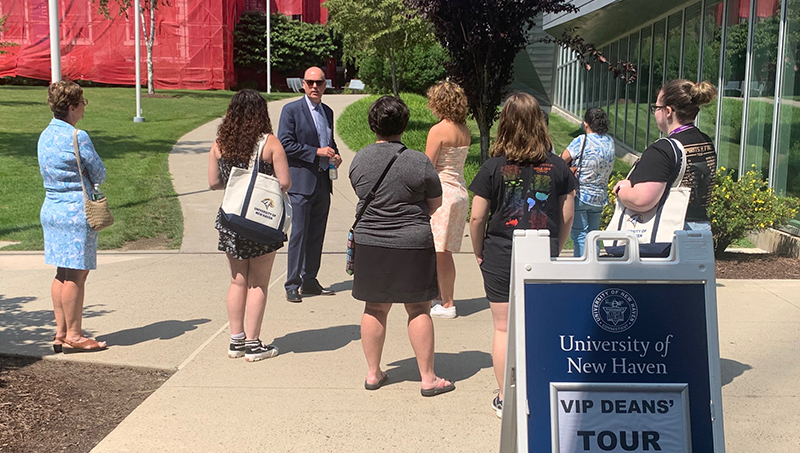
x=57, y=347
x=86, y=345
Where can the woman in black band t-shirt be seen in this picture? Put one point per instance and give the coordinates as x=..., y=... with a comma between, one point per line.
x=676, y=108
x=522, y=187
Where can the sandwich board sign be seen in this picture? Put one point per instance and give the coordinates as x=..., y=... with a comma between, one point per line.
x=612, y=354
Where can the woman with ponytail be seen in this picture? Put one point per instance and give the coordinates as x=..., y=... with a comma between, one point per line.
x=675, y=110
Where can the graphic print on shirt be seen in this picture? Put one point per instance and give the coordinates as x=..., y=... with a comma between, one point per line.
x=524, y=203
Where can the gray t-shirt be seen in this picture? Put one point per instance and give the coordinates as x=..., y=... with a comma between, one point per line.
x=398, y=217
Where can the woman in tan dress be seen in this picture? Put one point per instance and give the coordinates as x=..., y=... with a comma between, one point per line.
x=447, y=147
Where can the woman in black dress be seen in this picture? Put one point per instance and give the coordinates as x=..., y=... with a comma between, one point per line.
x=246, y=126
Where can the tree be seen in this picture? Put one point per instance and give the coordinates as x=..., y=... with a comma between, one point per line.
x=483, y=37
x=147, y=11
x=417, y=69
x=294, y=45
x=2, y=29
x=385, y=28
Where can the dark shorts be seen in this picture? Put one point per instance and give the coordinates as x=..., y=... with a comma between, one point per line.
x=387, y=275
x=496, y=281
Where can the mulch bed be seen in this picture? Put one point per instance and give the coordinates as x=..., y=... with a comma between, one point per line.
x=53, y=406
x=735, y=265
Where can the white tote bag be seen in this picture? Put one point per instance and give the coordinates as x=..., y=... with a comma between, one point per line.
x=655, y=228
x=254, y=206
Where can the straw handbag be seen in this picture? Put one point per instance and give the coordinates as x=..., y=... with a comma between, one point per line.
x=97, y=212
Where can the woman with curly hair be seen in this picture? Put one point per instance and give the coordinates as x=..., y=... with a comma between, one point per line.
x=245, y=127
x=523, y=186
x=447, y=147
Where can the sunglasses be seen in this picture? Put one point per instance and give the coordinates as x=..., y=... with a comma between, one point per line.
x=311, y=83
x=654, y=107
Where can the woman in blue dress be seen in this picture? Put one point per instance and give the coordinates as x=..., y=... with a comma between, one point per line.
x=69, y=243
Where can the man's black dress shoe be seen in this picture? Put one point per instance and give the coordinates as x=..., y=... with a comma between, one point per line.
x=317, y=291
x=292, y=295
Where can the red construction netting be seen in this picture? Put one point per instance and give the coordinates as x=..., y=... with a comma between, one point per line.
x=193, y=47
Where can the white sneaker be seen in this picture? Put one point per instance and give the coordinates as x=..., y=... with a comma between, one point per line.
x=438, y=311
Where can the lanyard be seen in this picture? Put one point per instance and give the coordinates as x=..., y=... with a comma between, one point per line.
x=681, y=129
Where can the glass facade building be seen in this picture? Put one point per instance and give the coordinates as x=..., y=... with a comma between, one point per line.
x=749, y=49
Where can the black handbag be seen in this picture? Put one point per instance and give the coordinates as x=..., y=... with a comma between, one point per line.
x=351, y=243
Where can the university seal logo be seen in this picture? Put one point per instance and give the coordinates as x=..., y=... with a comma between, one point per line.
x=614, y=310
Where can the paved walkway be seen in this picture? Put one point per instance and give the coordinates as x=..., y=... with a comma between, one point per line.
x=167, y=310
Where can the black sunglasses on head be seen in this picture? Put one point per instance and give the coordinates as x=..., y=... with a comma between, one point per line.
x=311, y=83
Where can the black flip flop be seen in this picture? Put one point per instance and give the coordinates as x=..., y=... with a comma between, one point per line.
x=378, y=384
x=438, y=390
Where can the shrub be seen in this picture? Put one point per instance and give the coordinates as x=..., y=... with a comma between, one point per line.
x=294, y=45
x=741, y=206
x=417, y=69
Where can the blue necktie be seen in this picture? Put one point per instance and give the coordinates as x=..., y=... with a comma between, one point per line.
x=322, y=133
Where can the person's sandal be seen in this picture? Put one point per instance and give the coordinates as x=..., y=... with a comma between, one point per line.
x=87, y=345
x=57, y=348
x=439, y=389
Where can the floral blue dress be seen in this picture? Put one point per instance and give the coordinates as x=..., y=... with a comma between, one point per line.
x=69, y=242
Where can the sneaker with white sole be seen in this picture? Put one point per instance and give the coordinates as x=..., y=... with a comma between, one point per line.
x=255, y=350
x=497, y=405
x=438, y=311
x=236, y=348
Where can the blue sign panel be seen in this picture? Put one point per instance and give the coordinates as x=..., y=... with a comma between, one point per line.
x=622, y=336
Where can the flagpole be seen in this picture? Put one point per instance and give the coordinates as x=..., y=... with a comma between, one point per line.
x=55, y=43
x=269, y=62
x=138, y=118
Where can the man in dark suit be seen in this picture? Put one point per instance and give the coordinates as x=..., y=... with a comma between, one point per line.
x=306, y=132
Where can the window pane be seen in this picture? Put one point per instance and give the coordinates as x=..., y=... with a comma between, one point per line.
x=644, y=90
x=730, y=133
x=675, y=26
x=691, y=43
x=762, y=85
x=631, y=92
x=712, y=40
x=658, y=73
x=613, y=56
x=603, y=101
x=787, y=174
x=620, y=99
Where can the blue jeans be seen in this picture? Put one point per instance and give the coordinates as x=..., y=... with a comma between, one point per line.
x=697, y=226
x=587, y=218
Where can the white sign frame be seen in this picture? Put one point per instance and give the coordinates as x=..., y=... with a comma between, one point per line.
x=691, y=260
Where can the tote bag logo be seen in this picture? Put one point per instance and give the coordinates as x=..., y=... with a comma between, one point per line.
x=268, y=203
x=635, y=219
x=614, y=310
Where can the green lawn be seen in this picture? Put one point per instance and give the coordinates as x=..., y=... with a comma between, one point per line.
x=354, y=130
x=139, y=186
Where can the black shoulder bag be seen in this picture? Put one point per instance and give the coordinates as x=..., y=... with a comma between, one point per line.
x=351, y=245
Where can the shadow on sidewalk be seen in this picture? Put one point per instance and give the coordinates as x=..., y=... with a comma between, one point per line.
x=33, y=330
x=318, y=340
x=468, y=307
x=731, y=369
x=161, y=330
x=346, y=285
x=453, y=367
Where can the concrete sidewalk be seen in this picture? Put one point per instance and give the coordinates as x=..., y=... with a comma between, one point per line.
x=167, y=310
